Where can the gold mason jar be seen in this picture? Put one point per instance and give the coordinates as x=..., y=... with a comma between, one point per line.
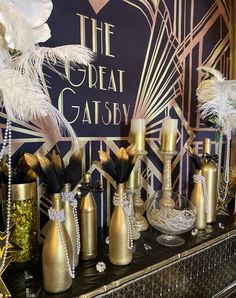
x=24, y=217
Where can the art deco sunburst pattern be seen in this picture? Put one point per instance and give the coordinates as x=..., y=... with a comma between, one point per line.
x=183, y=34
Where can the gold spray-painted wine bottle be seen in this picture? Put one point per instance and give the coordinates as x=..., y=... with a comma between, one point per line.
x=56, y=276
x=209, y=171
x=70, y=225
x=198, y=199
x=88, y=223
x=119, y=253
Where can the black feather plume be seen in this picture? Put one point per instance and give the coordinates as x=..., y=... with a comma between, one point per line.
x=73, y=172
x=52, y=181
x=107, y=164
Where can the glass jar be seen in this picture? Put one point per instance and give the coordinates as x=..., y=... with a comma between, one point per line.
x=24, y=217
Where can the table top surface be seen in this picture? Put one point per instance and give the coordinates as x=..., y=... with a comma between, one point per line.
x=21, y=278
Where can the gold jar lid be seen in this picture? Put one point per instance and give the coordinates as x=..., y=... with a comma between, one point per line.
x=21, y=192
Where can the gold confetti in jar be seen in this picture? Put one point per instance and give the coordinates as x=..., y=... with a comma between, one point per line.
x=24, y=216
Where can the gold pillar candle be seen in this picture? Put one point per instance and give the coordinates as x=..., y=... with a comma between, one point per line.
x=169, y=134
x=70, y=225
x=137, y=133
x=119, y=253
x=24, y=217
x=56, y=276
x=88, y=223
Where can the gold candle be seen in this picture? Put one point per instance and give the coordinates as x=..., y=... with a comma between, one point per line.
x=137, y=133
x=168, y=135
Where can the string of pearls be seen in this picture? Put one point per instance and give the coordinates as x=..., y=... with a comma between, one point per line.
x=173, y=220
x=226, y=178
x=59, y=216
x=120, y=200
x=201, y=179
x=8, y=220
x=69, y=196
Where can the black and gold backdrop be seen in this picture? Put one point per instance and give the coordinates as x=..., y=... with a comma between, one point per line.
x=147, y=52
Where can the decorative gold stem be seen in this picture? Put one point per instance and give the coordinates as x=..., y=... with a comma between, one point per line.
x=167, y=201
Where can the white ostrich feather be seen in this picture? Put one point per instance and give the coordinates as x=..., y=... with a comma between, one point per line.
x=25, y=101
x=217, y=75
x=31, y=62
x=221, y=103
x=18, y=33
x=22, y=99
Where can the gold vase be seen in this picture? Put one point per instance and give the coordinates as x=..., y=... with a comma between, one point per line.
x=209, y=171
x=119, y=253
x=24, y=217
x=88, y=223
x=70, y=225
x=198, y=199
x=56, y=276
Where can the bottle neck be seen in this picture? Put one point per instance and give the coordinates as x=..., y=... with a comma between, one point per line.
x=120, y=188
x=87, y=178
x=67, y=187
x=206, y=146
x=56, y=201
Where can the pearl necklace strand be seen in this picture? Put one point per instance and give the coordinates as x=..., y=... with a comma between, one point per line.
x=59, y=216
x=9, y=136
x=226, y=177
x=120, y=200
x=69, y=196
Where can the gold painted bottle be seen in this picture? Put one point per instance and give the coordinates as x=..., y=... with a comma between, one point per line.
x=119, y=254
x=209, y=171
x=56, y=277
x=70, y=225
x=198, y=199
x=88, y=223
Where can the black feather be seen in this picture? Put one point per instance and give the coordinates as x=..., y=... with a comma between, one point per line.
x=34, y=164
x=108, y=164
x=52, y=181
x=122, y=164
x=73, y=172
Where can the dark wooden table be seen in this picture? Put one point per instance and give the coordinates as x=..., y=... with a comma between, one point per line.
x=203, y=267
